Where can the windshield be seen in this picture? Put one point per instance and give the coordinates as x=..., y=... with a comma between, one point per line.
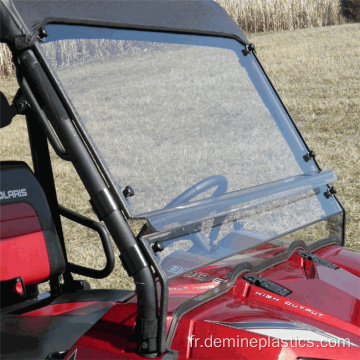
x=192, y=124
x=166, y=111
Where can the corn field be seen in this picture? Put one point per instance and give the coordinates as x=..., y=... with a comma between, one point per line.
x=255, y=16
x=6, y=66
x=274, y=15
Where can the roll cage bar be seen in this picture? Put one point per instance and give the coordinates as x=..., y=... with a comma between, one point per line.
x=47, y=119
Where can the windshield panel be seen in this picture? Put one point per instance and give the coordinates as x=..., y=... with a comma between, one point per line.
x=239, y=232
x=192, y=124
x=167, y=111
x=190, y=288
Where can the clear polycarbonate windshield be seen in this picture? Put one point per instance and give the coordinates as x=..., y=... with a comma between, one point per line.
x=277, y=212
x=192, y=124
x=167, y=111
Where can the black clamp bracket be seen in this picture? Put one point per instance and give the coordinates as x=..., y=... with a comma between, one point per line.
x=42, y=34
x=158, y=247
x=133, y=260
x=20, y=103
x=128, y=191
x=330, y=193
x=248, y=49
x=317, y=260
x=266, y=284
x=8, y=112
x=309, y=156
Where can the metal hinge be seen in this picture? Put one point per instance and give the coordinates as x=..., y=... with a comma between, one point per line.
x=316, y=259
x=266, y=284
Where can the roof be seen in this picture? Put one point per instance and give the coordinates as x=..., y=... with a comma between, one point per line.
x=22, y=19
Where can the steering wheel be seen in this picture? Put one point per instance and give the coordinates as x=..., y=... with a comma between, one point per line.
x=203, y=185
x=218, y=181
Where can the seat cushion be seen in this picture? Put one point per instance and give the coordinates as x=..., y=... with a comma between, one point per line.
x=23, y=250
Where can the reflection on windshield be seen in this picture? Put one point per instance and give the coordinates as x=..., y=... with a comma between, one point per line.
x=166, y=111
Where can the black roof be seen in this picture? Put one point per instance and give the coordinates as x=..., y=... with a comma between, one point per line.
x=21, y=19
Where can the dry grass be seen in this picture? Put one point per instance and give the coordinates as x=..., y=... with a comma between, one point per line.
x=317, y=73
x=6, y=66
x=274, y=15
x=83, y=247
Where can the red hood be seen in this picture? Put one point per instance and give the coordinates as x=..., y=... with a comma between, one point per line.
x=319, y=319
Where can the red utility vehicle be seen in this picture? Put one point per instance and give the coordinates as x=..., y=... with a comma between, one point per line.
x=149, y=100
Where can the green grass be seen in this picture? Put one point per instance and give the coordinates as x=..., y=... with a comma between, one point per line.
x=316, y=72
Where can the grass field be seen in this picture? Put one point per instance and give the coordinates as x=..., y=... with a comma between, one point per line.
x=316, y=72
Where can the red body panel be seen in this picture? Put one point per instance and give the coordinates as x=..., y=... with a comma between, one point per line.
x=111, y=337
x=323, y=300
x=23, y=250
x=345, y=258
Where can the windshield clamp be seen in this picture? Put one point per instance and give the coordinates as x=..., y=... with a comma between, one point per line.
x=158, y=247
x=128, y=191
x=310, y=155
x=317, y=260
x=42, y=34
x=331, y=192
x=266, y=284
x=248, y=49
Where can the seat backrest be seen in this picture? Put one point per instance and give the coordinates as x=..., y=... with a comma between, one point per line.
x=30, y=250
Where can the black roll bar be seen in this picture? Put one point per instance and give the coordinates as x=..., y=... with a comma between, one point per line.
x=105, y=240
x=32, y=74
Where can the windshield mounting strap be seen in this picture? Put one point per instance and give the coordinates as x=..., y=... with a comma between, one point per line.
x=128, y=257
x=266, y=284
x=103, y=203
x=317, y=260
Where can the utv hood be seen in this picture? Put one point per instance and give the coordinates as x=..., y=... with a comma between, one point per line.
x=319, y=319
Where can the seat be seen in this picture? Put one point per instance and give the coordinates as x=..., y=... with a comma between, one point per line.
x=30, y=250
x=31, y=253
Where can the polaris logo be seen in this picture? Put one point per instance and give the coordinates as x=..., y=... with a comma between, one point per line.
x=13, y=194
